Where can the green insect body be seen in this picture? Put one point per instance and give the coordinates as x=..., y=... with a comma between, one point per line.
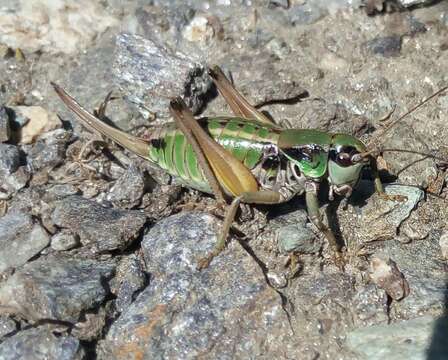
x=280, y=159
x=247, y=157
x=246, y=140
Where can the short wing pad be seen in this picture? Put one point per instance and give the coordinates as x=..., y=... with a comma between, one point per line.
x=231, y=174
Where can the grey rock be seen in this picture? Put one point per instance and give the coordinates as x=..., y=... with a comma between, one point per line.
x=279, y=48
x=404, y=340
x=63, y=190
x=386, y=46
x=427, y=293
x=56, y=288
x=49, y=151
x=438, y=348
x=307, y=13
x=41, y=344
x=64, y=241
x=150, y=74
x=293, y=234
x=68, y=40
x=166, y=21
x=402, y=211
x=259, y=38
x=20, y=239
x=261, y=88
x=11, y=183
x=9, y=159
x=180, y=232
x=322, y=303
x=4, y=125
x=297, y=237
x=129, y=188
x=7, y=326
x=225, y=311
x=398, y=163
x=130, y=280
x=27, y=201
x=380, y=219
x=370, y=306
x=103, y=229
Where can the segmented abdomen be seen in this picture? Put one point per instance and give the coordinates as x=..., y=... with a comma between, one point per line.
x=245, y=139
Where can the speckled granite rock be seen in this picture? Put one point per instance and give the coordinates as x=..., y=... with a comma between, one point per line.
x=224, y=311
x=56, y=288
x=151, y=74
x=41, y=344
x=21, y=238
x=103, y=229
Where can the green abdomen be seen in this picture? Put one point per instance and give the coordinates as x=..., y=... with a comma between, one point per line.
x=245, y=139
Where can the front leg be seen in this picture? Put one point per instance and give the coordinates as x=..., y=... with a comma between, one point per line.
x=312, y=204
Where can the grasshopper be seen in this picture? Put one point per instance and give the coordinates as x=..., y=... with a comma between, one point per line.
x=248, y=158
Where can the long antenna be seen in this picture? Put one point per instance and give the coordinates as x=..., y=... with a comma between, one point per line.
x=393, y=123
x=435, y=157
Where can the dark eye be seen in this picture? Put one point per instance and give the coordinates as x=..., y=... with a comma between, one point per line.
x=343, y=155
x=344, y=159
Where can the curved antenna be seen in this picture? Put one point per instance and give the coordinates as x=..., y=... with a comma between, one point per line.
x=376, y=153
x=383, y=131
x=435, y=157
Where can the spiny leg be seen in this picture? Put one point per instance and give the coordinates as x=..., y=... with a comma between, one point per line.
x=237, y=102
x=312, y=204
x=224, y=171
x=257, y=197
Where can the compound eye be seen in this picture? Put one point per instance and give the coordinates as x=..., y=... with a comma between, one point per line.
x=344, y=159
x=344, y=156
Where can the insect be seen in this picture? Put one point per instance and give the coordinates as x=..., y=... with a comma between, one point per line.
x=248, y=158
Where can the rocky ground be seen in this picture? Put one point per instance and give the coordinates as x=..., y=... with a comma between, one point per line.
x=98, y=248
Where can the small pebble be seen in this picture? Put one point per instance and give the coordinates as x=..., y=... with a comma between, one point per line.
x=386, y=275
x=129, y=188
x=443, y=242
x=39, y=121
x=64, y=241
x=297, y=237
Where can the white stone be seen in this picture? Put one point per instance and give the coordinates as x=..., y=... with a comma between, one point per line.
x=199, y=30
x=443, y=242
x=39, y=122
